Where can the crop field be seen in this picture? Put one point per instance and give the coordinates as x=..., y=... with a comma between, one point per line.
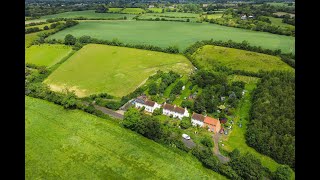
x=156, y=10
x=114, y=70
x=86, y=14
x=133, y=11
x=166, y=34
x=47, y=54
x=210, y=56
x=71, y=144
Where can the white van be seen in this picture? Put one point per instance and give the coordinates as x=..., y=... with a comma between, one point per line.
x=186, y=136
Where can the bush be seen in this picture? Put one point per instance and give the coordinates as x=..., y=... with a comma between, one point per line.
x=207, y=141
x=185, y=123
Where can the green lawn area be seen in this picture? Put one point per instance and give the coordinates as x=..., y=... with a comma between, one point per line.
x=86, y=14
x=47, y=54
x=210, y=56
x=71, y=144
x=114, y=70
x=133, y=11
x=156, y=10
x=166, y=34
x=236, y=137
x=184, y=93
x=41, y=26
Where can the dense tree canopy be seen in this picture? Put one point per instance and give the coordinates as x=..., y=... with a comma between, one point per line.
x=271, y=130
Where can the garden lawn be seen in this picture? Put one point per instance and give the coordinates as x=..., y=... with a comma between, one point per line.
x=113, y=70
x=181, y=34
x=47, y=54
x=71, y=144
x=210, y=56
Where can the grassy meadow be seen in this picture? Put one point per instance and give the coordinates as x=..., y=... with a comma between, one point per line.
x=71, y=144
x=210, y=56
x=114, y=70
x=278, y=22
x=47, y=54
x=166, y=34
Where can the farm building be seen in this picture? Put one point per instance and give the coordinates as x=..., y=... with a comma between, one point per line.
x=197, y=119
x=244, y=17
x=204, y=5
x=151, y=6
x=212, y=124
x=175, y=111
x=149, y=106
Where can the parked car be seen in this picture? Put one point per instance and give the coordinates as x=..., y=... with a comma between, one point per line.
x=186, y=136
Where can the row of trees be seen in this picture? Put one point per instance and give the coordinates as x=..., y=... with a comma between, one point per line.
x=271, y=130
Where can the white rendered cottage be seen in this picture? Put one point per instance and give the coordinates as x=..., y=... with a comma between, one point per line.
x=197, y=119
x=149, y=106
x=175, y=111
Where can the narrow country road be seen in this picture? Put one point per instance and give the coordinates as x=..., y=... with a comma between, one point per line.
x=216, y=151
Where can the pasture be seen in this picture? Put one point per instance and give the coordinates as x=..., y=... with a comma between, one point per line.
x=47, y=54
x=114, y=70
x=209, y=57
x=212, y=16
x=182, y=34
x=283, y=13
x=71, y=144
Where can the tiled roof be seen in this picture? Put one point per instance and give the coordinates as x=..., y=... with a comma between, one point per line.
x=149, y=103
x=168, y=107
x=211, y=121
x=179, y=110
x=198, y=117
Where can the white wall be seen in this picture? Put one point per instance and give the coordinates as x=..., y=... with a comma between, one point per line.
x=196, y=122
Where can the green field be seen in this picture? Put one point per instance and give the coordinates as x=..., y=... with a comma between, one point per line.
x=86, y=14
x=114, y=70
x=165, y=34
x=71, y=144
x=115, y=10
x=156, y=10
x=133, y=11
x=213, y=16
x=210, y=56
x=47, y=54
x=245, y=79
